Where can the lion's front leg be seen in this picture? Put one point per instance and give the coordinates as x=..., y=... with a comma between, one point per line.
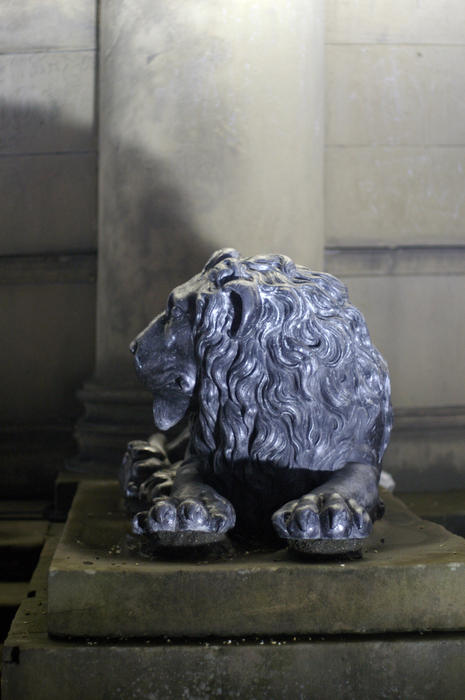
x=192, y=514
x=342, y=508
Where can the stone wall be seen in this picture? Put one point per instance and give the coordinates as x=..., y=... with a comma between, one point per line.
x=48, y=231
x=395, y=211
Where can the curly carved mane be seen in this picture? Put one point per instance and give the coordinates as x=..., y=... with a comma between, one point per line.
x=287, y=374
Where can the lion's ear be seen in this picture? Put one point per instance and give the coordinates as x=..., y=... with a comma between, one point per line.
x=246, y=306
x=219, y=256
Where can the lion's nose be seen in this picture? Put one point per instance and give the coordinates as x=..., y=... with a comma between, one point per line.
x=133, y=346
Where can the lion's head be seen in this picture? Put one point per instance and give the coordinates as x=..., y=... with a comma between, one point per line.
x=273, y=363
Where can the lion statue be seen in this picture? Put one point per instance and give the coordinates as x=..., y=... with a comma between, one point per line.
x=288, y=404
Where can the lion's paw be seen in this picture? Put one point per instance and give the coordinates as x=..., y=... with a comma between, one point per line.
x=206, y=513
x=158, y=484
x=326, y=516
x=141, y=459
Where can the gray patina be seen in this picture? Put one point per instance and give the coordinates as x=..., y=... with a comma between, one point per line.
x=288, y=405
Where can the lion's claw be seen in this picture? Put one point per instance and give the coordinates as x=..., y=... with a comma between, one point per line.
x=162, y=515
x=141, y=460
x=322, y=516
x=304, y=518
x=192, y=515
x=158, y=484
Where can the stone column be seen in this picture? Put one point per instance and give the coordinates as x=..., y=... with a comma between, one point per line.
x=211, y=135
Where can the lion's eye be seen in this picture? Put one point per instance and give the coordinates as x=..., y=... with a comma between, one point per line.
x=176, y=312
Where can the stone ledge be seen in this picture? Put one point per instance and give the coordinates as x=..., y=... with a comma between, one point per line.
x=411, y=578
x=413, y=260
x=60, y=268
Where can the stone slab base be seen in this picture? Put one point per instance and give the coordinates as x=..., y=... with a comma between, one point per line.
x=443, y=507
x=411, y=577
x=36, y=667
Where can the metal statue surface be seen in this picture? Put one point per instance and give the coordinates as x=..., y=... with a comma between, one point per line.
x=288, y=404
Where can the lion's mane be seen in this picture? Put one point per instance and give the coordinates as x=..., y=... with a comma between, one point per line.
x=300, y=385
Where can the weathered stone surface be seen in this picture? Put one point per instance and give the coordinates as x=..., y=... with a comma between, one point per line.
x=48, y=102
x=48, y=203
x=373, y=94
x=206, y=152
x=445, y=508
x=395, y=22
x=50, y=327
x=365, y=200
x=48, y=24
x=39, y=668
x=411, y=577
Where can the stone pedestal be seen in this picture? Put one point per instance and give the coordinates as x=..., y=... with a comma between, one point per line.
x=410, y=578
x=211, y=135
x=404, y=588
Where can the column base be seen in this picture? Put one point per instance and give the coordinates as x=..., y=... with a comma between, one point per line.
x=113, y=416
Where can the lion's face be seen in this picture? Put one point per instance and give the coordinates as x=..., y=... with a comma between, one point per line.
x=164, y=353
x=164, y=356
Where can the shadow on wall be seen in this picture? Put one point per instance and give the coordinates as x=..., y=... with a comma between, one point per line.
x=48, y=241
x=149, y=243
